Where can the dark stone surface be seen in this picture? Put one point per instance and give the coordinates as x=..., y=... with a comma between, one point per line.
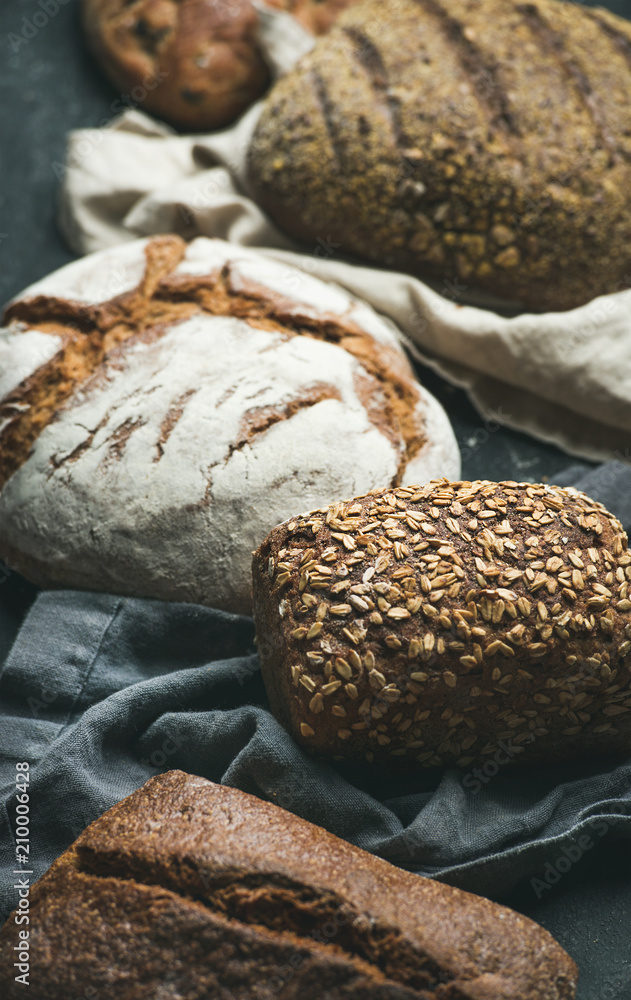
x=48, y=85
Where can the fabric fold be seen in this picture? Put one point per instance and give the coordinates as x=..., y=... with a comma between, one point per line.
x=99, y=693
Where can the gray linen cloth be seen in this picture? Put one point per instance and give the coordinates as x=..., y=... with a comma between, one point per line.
x=99, y=693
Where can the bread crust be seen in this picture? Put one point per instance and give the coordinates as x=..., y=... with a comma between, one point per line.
x=195, y=63
x=157, y=435
x=210, y=889
x=487, y=143
x=317, y=16
x=443, y=625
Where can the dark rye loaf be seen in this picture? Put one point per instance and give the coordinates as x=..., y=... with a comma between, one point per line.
x=487, y=141
x=430, y=624
x=193, y=890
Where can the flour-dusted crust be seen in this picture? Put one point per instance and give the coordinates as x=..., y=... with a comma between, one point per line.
x=442, y=625
x=158, y=433
x=224, y=896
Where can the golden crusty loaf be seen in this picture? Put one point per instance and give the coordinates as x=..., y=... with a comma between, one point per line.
x=201, y=891
x=487, y=141
x=196, y=63
x=433, y=624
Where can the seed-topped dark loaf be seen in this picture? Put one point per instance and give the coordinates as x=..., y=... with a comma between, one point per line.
x=220, y=895
x=433, y=624
x=483, y=140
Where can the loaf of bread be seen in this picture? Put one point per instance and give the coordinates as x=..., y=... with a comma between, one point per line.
x=438, y=625
x=196, y=63
x=316, y=16
x=163, y=405
x=481, y=142
x=198, y=891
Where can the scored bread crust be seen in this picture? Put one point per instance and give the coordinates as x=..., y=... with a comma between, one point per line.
x=444, y=624
x=191, y=397
x=209, y=887
x=487, y=143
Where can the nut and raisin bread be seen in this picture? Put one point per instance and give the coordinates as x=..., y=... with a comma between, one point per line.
x=196, y=63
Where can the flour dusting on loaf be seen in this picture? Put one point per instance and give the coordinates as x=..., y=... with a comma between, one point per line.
x=168, y=427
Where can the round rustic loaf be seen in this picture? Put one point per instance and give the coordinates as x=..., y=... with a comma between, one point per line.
x=196, y=63
x=164, y=405
x=449, y=623
x=483, y=142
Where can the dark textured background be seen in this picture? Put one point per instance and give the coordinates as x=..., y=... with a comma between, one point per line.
x=49, y=85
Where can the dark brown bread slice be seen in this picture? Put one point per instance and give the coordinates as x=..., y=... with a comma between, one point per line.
x=207, y=888
x=438, y=625
x=483, y=140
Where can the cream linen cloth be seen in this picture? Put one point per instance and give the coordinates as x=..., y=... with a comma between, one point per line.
x=562, y=377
